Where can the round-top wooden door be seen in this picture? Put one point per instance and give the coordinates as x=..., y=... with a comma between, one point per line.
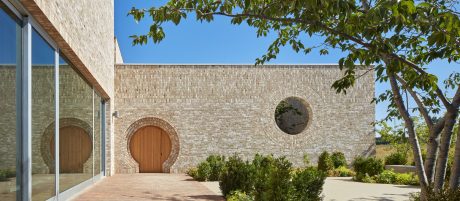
x=75, y=147
x=150, y=146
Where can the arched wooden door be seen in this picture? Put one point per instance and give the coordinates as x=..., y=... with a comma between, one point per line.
x=150, y=146
x=75, y=148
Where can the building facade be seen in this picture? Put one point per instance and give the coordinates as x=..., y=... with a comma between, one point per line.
x=230, y=109
x=71, y=113
x=56, y=94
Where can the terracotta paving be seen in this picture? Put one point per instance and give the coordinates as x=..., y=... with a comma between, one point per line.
x=146, y=186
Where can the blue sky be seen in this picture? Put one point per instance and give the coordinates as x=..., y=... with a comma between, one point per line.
x=221, y=42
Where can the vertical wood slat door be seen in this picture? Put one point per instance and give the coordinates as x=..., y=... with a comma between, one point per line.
x=75, y=148
x=150, y=146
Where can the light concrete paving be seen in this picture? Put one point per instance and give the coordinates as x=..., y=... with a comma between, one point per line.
x=131, y=187
x=139, y=187
x=213, y=186
x=343, y=188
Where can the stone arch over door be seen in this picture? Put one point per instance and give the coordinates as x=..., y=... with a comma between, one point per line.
x=48, y=136
x=153, y=121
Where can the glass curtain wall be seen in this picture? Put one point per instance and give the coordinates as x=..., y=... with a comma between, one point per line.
x=97, y=134
x=43, y=118
x=10, y=63
x=76, y=128
x=77, y=156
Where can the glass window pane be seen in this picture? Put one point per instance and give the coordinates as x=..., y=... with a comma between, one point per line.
x=97, y=134
x=76, y=128
x=43, y=117
x=10, y=62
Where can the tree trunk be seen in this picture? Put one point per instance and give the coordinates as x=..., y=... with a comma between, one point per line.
x=409, y=124
x=432, y=150
x=455, y=171
x=446, y=137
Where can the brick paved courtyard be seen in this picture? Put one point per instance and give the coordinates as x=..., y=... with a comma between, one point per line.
x=126, y=187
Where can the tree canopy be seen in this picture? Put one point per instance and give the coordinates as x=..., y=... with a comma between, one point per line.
x=396, y=39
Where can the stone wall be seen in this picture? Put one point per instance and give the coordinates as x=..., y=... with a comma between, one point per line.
x=227, y=109
x=84, y=32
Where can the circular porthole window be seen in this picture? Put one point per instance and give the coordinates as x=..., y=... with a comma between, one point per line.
x=292, y=115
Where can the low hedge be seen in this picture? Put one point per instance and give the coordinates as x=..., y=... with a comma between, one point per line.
x=270, y=178
x=208, y=170
x=390, y=177
x=367, y=166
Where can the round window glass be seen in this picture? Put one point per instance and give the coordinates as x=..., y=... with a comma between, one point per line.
x=292, y=115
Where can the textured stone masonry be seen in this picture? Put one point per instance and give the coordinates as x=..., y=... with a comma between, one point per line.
x=227, y=109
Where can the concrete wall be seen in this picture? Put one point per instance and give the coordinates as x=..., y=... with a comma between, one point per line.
x=230, y=109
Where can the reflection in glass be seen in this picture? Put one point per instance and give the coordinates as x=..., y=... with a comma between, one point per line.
x=76, y=128
x=10, y=61
x=97, y=134
x=43, y=117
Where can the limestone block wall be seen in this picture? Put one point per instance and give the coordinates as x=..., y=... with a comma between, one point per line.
x=84, y=32
x=227, y=109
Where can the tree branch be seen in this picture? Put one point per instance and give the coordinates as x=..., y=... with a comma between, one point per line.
x=421, y=106
x=409, y=124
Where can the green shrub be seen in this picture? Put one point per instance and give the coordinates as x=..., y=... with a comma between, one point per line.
x=5, y=174
x=217, y=164
x=239, y=196
x=341, y=171
x=325, y=162
x=271, y=177
x=445, y=195
x=338, y=158
x=397, y=158
x=237, y=175
x=308, y=184
x=367, y=166
x=193, y=172
x=306, y=160
x=203, y=172
x=386, y=177
x=368, y=179
x=406, y=179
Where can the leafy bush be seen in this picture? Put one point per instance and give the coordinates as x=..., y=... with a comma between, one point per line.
x=338, y=158
x=386, y=177
x=271, y=177
x=239, y=196
x=203, y=172
x=396, y=158
x=5, y=174
x=445, y=195
x=406, y=179
x=390, y=177
x=217, y=164
x=325, y=162
x=193, y=172
x=306, y=160
x=367, y=166
x=237, y=175
x=341, y=171
x=308, y=184
x=368, y=179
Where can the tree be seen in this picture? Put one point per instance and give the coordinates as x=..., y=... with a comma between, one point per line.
x=399, y=38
